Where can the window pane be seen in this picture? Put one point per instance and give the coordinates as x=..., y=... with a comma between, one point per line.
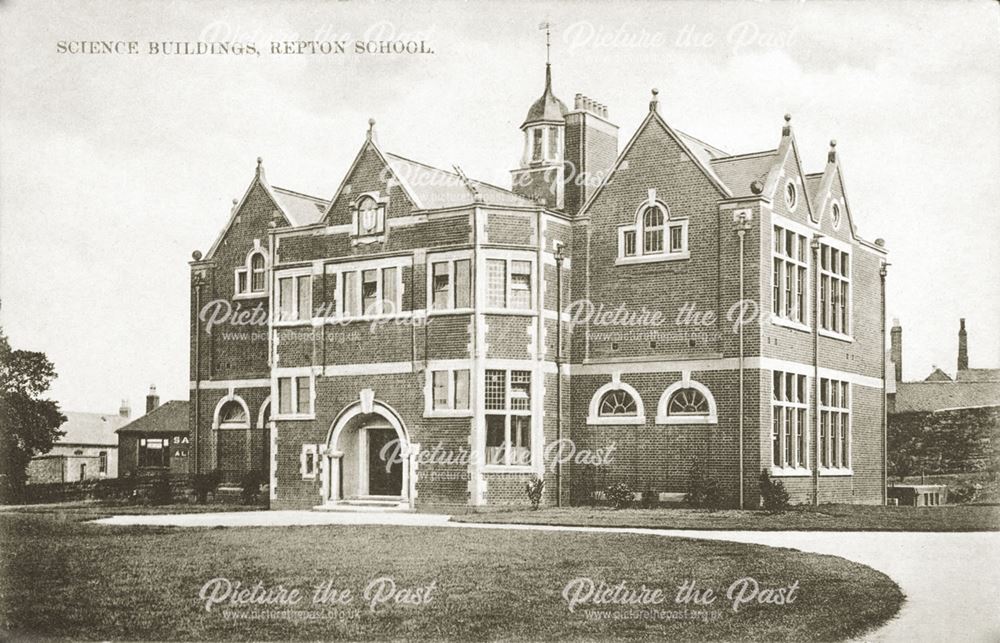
x=495, y=438
x=284, y=395
x=653, y=241
x=496, y=390
x=286, y=295
x=536, y=144
x=439, y=285
x=553, y=142
x=369, y=288
x=520, y=390
x=775, y=441
x=305, y=297
x=390, y=305
x=520, y=438
x=776, y=288
x=520, y=284
x=302, y=384
x=617, y=402
x=801, y=438
x=351, y=295
x=462, y=389
x=776, y=385
x=241, y=282
x=257, y=268
x=496, y=283
x=676, y=239
x=463, y=283
x=440, y=384
x=628, y=239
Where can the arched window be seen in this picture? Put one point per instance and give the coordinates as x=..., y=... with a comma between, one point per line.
x=686, y=402
x=233, y=414
x=616, y=402
x=367, y=215
x=257, y=281
x=652, y=226
x=656, y=234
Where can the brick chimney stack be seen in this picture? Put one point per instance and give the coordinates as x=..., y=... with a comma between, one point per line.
x=124, y=410
x=896, y=348
x=963, y=347
x=152, y=400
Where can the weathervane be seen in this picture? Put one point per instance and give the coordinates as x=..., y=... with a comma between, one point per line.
x=548, y=45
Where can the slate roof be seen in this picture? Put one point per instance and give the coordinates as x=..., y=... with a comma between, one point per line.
x=171, y=417
x=914, y=397
x=436, y=188
x=91, y=428
x=738, y=172
x=937, y=375
x=979, y=375
x=302, y=209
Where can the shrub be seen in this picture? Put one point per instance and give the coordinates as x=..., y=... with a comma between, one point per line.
x=161, y=493
x=251, y=482
x=205, y=483
x=619, y=495
x=772, y=492
x=534, y=489
x=703, y=492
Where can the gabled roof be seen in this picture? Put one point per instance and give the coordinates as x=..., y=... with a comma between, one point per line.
x=685, y=143
x=978, y=375
x=91, y=428
x=171, y=417
x=937, y=375
x=705, y=152
x=437, y=188
x=917, y=397
x=301, y=209
x=738, y=172
x=258, y=179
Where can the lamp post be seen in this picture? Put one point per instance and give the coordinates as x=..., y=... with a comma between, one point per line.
x=559, y=265
x=741, y=219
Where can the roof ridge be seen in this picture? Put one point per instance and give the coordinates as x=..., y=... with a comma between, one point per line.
x=454, y=174
x=705, y=143
x=296, y=193
x=741, y=157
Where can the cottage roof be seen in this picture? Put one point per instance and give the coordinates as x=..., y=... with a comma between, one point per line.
x=916, y=397
x=91, y=428
x=170, y=417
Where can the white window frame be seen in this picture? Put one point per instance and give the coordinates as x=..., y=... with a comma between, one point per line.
x=295, y=275
x=450, y=411
x=782, y=262
x=295, y=374
x=246, y=271
x=845, y=334
x=594, y=416
x=637, y=228
x=663, y=405
x=310, y=453
x=450, y=258
x=794, y=468
x=358, y=268
x=508, y=413
x=508, y=258
x=844, y=412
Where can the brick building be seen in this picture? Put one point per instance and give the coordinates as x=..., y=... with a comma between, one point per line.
x=416, y=313
x=158, y=441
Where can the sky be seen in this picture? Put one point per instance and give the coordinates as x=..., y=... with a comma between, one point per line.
x=114, y=168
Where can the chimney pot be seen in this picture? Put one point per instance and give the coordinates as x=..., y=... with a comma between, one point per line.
x=963, y=346
x=152, y=399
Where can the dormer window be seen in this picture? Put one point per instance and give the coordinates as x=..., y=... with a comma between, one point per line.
x=368, y=213
x=251, y=277
x=655, y=236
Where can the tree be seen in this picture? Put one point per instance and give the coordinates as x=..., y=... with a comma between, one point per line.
x=29, y=424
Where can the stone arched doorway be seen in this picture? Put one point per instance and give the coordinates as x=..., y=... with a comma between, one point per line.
x=368, y=456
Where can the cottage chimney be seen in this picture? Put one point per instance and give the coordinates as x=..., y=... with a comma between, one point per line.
x=896, y=348
x=124, y=410
x=963, y=347
x=152, y=400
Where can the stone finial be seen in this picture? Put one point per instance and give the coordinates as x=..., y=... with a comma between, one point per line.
x=196, y=255
x=654, y=101
x=831, y=156
x=371, y=129
x=787, y=129
x=260, y=167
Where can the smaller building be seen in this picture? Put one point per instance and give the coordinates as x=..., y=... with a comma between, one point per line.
x=87, y=450
x=919, y=495
x=157, y=441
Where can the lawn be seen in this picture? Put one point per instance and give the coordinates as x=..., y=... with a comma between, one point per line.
x=64, y=578
x=821, y=518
